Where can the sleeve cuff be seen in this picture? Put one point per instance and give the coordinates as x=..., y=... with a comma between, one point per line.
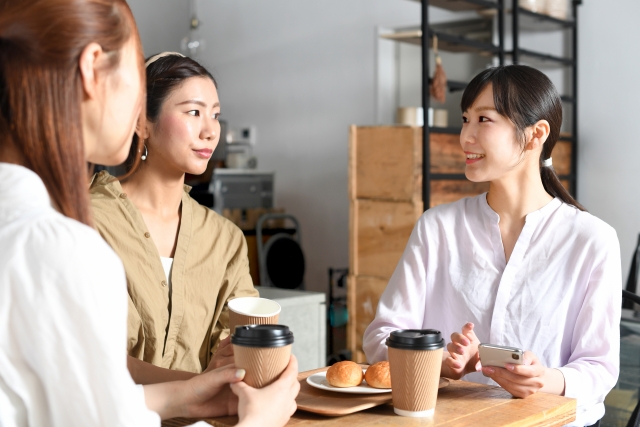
x=571, y=382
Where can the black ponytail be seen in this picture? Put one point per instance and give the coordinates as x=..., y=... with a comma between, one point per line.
x=525, y=95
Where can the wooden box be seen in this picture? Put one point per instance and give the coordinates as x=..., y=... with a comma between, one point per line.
x=362, y=299
x=379, y=231
x=385, y=163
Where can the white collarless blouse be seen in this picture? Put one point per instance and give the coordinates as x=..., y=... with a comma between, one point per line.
x=63, y=317
x=558, y=296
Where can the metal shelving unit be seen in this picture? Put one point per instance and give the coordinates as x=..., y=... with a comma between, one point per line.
x=456, y=5
x=517, y=54
x=522, y=20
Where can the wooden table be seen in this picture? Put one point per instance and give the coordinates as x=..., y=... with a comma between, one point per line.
x=460, y=404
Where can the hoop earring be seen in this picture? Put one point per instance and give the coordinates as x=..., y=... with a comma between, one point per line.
x=146, y=153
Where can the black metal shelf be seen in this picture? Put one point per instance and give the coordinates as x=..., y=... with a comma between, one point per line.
x=449, y=130
x=446, y=42
x=544, y=57
x=463, y=177
x=463, y=5
x=520, y=19
x=541, y=18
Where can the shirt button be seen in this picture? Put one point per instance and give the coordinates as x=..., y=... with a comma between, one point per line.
x=123, y=195
x=164, y=283
x=147, y=235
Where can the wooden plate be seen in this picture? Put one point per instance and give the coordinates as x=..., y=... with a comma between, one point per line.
x=329, y=403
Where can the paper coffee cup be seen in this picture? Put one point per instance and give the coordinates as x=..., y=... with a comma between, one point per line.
x=252, y=311
x=263, y=351
x=415, y=359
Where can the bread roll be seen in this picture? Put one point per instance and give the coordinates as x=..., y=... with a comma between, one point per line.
x=378, y=375
x=345, y=374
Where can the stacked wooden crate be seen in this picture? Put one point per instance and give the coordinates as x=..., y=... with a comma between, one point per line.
x=385, y=191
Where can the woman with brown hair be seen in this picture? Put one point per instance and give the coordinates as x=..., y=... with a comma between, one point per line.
x=71, y=88
x=183, y=261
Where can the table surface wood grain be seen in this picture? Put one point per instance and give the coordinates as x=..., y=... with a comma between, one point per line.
x=461, y=404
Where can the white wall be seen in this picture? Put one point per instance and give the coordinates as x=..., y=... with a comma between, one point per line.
x=161, y=24
x=609, y=90
x=303, y=71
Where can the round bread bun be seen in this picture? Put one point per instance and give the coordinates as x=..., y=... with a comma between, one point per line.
x=378, y=375
x=345, y=374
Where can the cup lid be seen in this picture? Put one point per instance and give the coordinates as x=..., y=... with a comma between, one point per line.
x=262, y=336
x=415, y=339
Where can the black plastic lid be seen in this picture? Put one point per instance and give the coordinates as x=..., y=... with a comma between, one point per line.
x=415, y=339
x=262, y=336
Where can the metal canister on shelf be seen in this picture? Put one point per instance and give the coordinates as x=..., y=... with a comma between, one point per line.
x=557, y=8
x=537, y=6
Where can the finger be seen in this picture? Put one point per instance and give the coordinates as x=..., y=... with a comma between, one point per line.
x=295, y=389
x=530, y=358
x=529, y=371
x=225, y=375
x=453, y=363
x=241, y=389
x=517, y=389
x=291, y=371
x=495, y=372
x=459, y=338
x=478, y=364
x=456, y=349
x=225, y=351
x=224, y=343
x=467, y=330
x=219, y=362
x=293, y=408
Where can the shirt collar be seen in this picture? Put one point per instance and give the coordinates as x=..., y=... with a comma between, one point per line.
x=535, y=215
x=21, y=185
x=105, y=178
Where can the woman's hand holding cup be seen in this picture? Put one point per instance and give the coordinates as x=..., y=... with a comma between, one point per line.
x=463, y=357
x=272, y=405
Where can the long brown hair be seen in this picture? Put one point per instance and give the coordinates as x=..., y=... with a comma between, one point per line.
x=525, y=95
x=41, y=86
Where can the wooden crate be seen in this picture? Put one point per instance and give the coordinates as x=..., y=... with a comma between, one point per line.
x=561, y=156
x=448, y=191
x=379, y=231
x=386, y=161
x=363, y=294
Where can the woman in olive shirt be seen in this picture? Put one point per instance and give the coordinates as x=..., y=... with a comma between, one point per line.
x=183, y=261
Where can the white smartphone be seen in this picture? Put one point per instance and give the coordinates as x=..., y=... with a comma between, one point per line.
x=499, y=355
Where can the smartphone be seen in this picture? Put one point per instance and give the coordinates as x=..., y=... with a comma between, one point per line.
x=498, y=355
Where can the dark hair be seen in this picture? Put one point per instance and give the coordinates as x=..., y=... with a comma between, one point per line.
x=41, y=87
x=525, y=95
x=164, y=76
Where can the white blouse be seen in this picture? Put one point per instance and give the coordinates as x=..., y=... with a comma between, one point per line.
x=559, y=295
x=63, y=317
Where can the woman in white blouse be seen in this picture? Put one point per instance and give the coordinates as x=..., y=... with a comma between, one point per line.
x=71, y=78
x=523, y=265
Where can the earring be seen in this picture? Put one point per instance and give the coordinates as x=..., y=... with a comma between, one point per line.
x=146, y=152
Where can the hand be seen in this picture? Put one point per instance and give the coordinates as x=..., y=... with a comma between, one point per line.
x=463, y=355
x=527, y=379
x=272, y=405
x=209, y=395
x=223, y=355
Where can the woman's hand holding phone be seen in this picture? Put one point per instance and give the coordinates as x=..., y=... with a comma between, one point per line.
x=463, y=355
x=527, y=379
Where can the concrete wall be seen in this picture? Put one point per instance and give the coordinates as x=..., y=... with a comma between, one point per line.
x=303, y=71
x=609, y=90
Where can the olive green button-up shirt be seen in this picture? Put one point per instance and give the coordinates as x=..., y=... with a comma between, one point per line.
x=210, y=267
